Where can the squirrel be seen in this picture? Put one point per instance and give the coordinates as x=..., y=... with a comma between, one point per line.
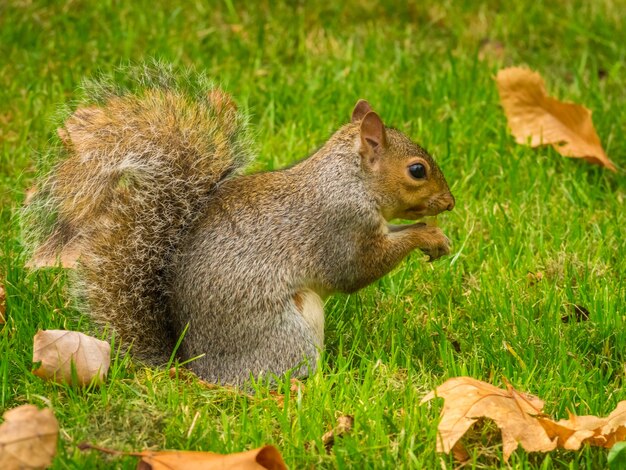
x=174, y=241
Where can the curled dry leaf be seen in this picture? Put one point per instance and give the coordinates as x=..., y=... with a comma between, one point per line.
x=535, y=116
x=467, y=399
x=579, y=430
x=344, y=426
x=520, y=419
x=64, y=353
x=28, y=438
x=267, y=457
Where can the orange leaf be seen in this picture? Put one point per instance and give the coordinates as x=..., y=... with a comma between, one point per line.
x=28, y=438
x=267, y=457
x=579, y=430
x=519, y=418
x=533, y=115
x=467, y=399
x=63, y=353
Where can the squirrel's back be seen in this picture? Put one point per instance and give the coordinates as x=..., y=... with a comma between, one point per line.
x=136, y=171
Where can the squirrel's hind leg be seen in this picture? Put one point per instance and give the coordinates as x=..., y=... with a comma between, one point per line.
x=291, y=340
x=310, y=307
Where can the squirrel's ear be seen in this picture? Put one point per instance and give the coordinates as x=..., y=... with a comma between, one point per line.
x=373, y=137
x=361, y=108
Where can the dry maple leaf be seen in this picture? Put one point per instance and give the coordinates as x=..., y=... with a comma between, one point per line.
x=579, y=430
x=519, y=418
x=467, y=399
x=65, y=353
x=28, y=438
x=267, y=457
x=533, y=115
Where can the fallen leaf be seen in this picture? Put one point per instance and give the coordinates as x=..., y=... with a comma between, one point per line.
x=533, y=115
x=345, y=423
x=578, y=430
x=467, y=399
x=65, y=353
x=520, y=419
x=28, y=438
x=267, y=457
x=3, y=305
x=459, y=452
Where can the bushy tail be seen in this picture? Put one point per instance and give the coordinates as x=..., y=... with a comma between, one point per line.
x=136, y=168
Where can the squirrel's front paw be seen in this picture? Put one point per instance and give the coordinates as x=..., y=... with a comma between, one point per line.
x=436, y=244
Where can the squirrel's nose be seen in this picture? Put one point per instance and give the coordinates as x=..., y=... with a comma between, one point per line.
x=451, y=202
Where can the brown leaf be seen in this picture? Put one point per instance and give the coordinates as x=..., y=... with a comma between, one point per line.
x=3, y=305
x=267, y=457
x=344, y=426
x=578, y=430
x=519, y=418
x=459, y=452
x=28, y=438
x=467, y=399
x=533, y=115
x=60, y=351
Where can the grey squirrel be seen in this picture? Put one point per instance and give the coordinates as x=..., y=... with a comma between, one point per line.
x=172, y=238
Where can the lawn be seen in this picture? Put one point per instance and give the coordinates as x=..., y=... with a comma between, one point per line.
x=298, y=68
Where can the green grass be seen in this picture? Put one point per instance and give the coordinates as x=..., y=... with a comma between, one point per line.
x=299, y=68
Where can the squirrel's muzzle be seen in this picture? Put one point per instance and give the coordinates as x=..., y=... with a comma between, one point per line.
x=449, y=199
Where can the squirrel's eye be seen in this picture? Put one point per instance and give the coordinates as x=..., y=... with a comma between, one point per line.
x=418, y=171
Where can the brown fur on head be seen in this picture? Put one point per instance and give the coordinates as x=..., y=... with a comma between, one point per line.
x=407, y=180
